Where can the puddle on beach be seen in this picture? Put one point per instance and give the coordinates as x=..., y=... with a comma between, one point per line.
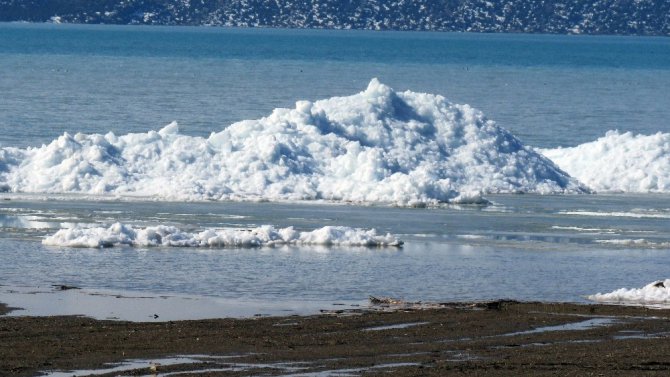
x=585, y=325
x=216, y=364
x=636, y=334
x=396, y=326
x=153, y=366
x=349, y=372
x=575, y=326
x=623, y=335
x=544, y=344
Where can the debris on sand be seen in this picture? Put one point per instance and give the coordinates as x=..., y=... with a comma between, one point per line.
x=62, y=287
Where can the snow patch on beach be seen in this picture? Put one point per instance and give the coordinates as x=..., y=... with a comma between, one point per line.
x=657, y=292
x=619, y=162
x=377, y=146
x=161, y=235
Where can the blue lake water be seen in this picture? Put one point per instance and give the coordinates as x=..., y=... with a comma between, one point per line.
x=523, y=247
x=548, y=90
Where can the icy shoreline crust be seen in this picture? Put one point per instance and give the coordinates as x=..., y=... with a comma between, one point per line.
x=619, y=162
x=379, y=145
x=657, y=292
x=121, y=234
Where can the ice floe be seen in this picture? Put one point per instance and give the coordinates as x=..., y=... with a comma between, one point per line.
x=162, y=235
x=379, y=145
x=619, y=162
x=657, y=292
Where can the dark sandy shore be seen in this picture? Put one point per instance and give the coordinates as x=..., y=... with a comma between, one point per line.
x=488, y=339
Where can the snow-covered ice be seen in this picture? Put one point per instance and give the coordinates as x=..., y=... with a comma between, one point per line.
x=161, y=235
x=657, y=292
x=619, y=162
x=379, y=145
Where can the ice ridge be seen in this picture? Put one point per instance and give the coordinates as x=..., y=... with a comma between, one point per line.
x=619, y=162
x=162, y=235
x=379, y=145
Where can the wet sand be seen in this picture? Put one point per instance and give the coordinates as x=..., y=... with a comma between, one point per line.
x=493, y=339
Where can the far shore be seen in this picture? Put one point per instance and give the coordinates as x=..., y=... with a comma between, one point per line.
x=499, y=338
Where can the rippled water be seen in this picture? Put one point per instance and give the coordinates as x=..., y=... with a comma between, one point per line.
x=548, y=90
x=523, y=247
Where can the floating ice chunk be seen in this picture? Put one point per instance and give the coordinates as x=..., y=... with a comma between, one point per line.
x=122, y=234
x=473, y=197
x=619, y=162
x=345, y=236
x=378, y=145
x=170, y=129
x=657, y=292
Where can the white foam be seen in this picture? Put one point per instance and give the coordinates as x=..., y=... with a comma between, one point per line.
x=589, y=230
x=122, y=234
x=657, y=292
x=379, y=145
x=635, y=242
x=619, y=162
x=472, y=236
x=637, y=214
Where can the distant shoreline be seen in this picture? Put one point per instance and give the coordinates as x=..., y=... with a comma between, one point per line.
x=592, y=17
x=335, y=29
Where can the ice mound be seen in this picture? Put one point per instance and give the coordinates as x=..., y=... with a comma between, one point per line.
x=657, y=292
x=619, y=162
x=122, y=234
x=375, y=146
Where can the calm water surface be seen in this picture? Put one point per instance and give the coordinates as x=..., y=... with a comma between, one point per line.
x=523, y=247
x=548, y=90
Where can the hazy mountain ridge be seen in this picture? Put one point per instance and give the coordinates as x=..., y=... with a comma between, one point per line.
x=623, y=17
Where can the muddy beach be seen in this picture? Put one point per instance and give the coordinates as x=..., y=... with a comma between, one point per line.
x=498, y=338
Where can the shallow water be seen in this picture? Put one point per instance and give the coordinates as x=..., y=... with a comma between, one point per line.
x=524, y=247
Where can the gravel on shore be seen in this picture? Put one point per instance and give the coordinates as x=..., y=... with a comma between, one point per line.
x=501, y=338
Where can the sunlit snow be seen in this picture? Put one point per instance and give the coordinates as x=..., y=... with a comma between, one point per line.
x=619, y=162
x=657, y=292
x=161, y=235
x=379, y=145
